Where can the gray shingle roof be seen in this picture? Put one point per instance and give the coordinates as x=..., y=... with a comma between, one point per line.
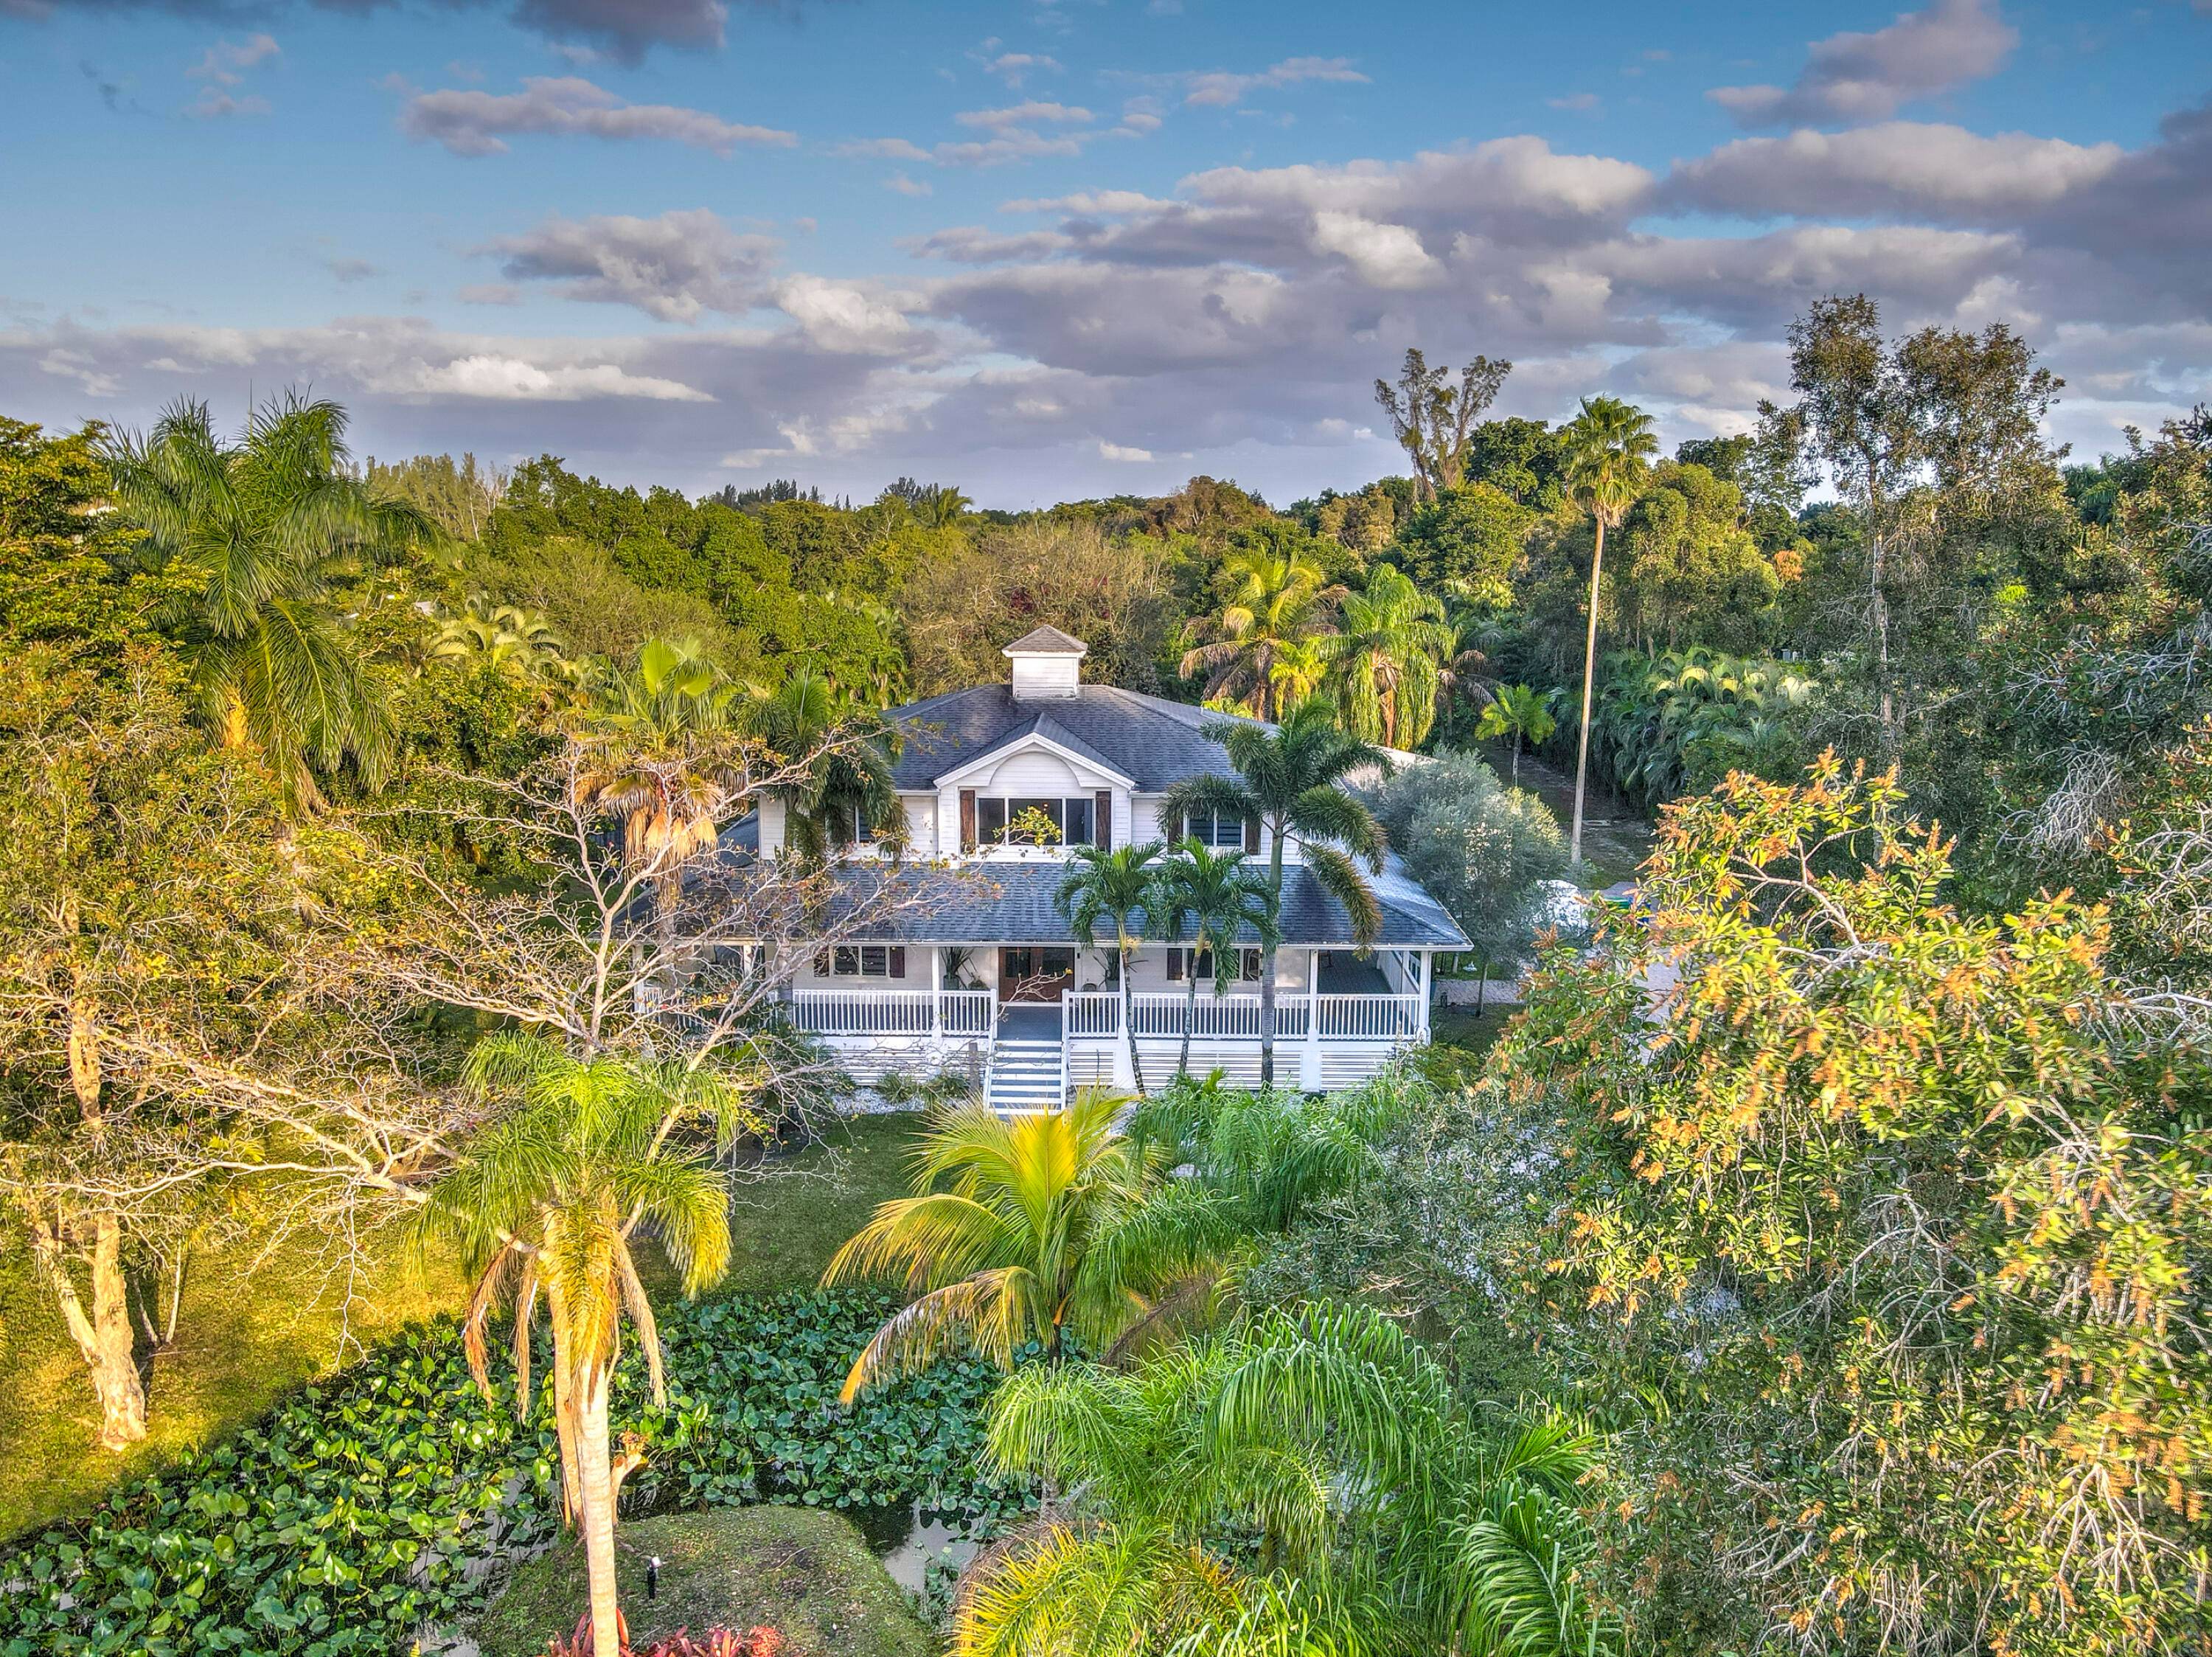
x=1047, y=640
x=1152, y=740
x=1013, y=903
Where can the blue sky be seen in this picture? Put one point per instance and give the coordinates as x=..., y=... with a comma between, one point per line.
x=1059, y=249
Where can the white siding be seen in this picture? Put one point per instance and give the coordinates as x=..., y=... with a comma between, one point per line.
x=771, y=828
x=921, y=823
x=1033, y=771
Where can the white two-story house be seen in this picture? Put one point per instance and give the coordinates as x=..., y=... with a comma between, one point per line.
x=991, y=979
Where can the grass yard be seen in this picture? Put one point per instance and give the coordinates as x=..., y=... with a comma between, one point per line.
x=805, y=1572
x=244, y=1341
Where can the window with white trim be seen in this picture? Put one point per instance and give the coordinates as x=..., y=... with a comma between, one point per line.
x=860, y=960
x=1214, y=829
x=1076, y=817
x=1199, y=964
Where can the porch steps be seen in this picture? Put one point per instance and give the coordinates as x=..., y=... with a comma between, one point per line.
x=1025, y=1075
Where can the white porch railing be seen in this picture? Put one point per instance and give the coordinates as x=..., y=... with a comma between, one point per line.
x=962, y=1012
x=1346, y=1018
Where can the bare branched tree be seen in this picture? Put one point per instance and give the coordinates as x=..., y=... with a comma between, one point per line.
x=1431, y=417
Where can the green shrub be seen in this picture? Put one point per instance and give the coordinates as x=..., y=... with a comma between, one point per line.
x=361, y=1509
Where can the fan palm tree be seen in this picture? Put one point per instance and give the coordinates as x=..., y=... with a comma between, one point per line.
x=544, y=1206
x=1386, y=663
x=502, y=635
x=1303, y=1481
x=1264, y=658
x=940, y=506
x=1055, y=1226
x=1209, y=898
x=1118, y=886
x=1521, y=712
x=665, y=757
x=1289, y=778
x=263, y=538
x=1609, y=448
x=844, y=783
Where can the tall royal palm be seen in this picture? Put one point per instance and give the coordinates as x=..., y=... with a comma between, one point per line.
x=1609, y=448
x=1120, y=888
x=839, y=761
x=265, y=536
x=1387, y=663
x=1054, y=1225
x=1290, y=779
x=1263, y=655
x=543, y=1207
x=1210, y=899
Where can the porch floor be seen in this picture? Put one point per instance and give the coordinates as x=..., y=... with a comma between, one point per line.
x=1019, y=1023
x=1345, y=975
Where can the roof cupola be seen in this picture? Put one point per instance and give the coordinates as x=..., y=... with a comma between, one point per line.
x=1047, y=666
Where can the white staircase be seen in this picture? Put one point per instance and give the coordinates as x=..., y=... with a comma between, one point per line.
x=1025, y=1075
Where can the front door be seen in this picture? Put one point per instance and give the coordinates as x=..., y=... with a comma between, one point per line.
x=1034, y=973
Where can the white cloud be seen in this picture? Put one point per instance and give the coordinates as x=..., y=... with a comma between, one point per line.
x=906, y=186
x=1118, y=452
x=472, y=123
x=226, y=62
x=1900, y=167
x=509, y=379
x=1383, y=255
x=1015, y=67
x=840, y=317
x=1025, y=114
x=1220, y=89
x=1852, y=77
x=1579, y=103
x=674, y=267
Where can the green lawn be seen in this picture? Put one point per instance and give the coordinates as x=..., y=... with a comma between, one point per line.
x=243, y=1341
x=805, y=1572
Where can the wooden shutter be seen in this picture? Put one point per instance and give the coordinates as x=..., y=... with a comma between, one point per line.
x=898, y=961
x=967, y=820
x=1102, y=832
x=1251, y=834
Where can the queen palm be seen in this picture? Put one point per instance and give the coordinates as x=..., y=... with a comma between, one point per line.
x=664, y=756
x=1121, y=886
x=504, y=635
x=1210, y=899
x=1290, y=779
x=263, y=537
x=1386, y=663
x=1301, y=1481
x=1609, y=446
x=1521, y=712
x=838, y=763
x=1055, y=1226
x=1264, y=657
x=543, y=1207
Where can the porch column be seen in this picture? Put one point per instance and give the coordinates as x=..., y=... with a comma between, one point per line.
x=1309, y=1057
x=1428, y=963
x=936, y=993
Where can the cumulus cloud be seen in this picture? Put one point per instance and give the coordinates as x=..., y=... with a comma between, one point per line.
x=1016, y=134
x=510, y=379
x=1902, y=168
x=674, y=267
x=844, y=318
x=1024, y=114
x=1852, y=77
x=906, y=186
x=1383, y=255
x=472, y=123
x=226, y=62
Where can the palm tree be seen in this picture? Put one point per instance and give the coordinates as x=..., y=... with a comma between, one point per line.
x=1609, y=446
x=503, y=635
x=1521, y=712
x=940, y=506
x=544, y=1205
x=1385, y=662
x=1119, y=886
x=1264, y=658
x=1055, y=1225
x=263, y=539
x=1303, y=1481
x=1210, y=898
x=1290, y=779
x=665, y=758
x=845, y=782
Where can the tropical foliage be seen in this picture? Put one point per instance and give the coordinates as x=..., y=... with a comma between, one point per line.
x=1055, y=1230
x=1303, y=1481
x=364, y=1509
x=1673, y=724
